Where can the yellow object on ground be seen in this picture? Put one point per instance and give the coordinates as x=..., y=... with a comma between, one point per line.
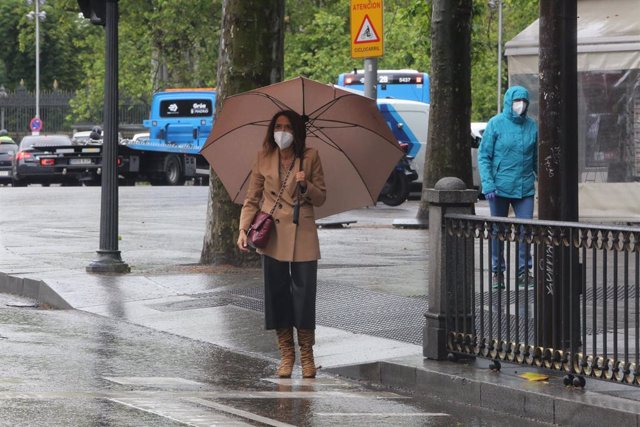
x=533, y=376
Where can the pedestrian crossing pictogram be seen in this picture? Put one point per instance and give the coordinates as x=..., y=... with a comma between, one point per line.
x=367, y=33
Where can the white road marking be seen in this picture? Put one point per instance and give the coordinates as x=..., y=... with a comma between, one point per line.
x=239, y=412
x=180, y=412
x=316, y=382
x=154, y=381
x=381, y=414
x=198, y=407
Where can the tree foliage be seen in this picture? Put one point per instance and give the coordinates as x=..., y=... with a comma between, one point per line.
x=162, y=43
x=165, y=43
x=517, y=15
x=58, y=57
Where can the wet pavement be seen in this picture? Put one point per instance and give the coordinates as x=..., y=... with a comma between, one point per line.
x=70, y=368
x=161, y=231
x=177, y=342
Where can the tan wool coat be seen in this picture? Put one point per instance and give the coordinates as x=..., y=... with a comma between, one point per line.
x=288, y=241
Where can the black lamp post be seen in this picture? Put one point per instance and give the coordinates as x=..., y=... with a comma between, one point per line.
x=105, y=12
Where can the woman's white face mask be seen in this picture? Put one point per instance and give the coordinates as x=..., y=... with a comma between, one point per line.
x=283, y=139
x=518, y=107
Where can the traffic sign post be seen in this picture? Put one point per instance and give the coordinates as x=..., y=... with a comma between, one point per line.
x=35, y=125
x=367, y=39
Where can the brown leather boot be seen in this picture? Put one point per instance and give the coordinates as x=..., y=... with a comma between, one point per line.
x=306, y=340
x=287, y=352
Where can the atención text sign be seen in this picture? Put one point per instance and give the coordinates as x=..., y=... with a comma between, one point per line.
x=366, y=28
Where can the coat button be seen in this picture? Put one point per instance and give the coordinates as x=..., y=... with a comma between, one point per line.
x=277, y=221
x=273, y=193
x=280, y=206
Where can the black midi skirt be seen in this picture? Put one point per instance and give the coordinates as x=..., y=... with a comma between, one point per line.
x=289, y=293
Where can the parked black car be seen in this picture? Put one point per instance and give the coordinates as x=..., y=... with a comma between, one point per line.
x=47, y=159
x=8, y=152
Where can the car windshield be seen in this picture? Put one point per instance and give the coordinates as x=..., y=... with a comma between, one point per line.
x=8, y=148
x=44, y=140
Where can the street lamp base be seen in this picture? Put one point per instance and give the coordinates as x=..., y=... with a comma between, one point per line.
x=108, y=262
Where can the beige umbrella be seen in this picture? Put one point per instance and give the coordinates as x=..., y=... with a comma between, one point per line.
x=356, y=147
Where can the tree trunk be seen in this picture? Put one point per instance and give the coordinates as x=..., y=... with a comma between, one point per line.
x=448, y=146
x=251, y=55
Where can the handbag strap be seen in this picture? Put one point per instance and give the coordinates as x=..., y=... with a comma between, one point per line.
x=284, y=184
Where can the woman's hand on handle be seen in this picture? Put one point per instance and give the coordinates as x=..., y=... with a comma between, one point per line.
x=242, y=242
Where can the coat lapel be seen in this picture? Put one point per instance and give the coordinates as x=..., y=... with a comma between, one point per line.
x=290, y=190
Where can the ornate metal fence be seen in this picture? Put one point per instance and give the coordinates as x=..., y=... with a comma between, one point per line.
x=17, y=109
x=580, y=311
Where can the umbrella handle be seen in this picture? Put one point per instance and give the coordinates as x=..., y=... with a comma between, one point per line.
x=296, y=211
x=296, y=207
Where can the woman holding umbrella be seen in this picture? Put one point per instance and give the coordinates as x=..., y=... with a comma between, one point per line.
x=290, y=258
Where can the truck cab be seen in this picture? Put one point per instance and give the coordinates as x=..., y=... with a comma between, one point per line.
x=179, y=123
x=180, y=120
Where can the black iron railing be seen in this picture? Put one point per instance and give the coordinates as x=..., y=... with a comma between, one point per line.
x=578, y=312
x=17, y=109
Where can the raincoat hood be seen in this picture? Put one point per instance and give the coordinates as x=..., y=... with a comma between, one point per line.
x=513, y=93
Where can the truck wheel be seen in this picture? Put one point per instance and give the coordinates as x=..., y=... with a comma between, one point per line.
x=173, y=171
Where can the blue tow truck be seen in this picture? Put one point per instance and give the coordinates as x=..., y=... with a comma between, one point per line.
x=179, y=123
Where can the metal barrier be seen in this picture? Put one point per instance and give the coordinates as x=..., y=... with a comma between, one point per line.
x=579, y=313
x=17, y=108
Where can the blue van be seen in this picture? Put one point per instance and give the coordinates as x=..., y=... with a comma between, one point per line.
x=409, y=123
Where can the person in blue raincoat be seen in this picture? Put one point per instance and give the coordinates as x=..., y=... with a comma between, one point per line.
x=507, y=162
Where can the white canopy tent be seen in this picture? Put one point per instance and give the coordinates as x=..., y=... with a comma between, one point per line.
x=608, y=39
x=608, y=102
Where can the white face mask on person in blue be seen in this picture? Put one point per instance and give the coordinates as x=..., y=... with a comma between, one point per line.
x=519, y=106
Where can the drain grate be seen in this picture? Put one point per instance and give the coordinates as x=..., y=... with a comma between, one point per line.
x=338, y=306
x=358, y=310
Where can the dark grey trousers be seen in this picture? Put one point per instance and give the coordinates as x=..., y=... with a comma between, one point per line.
x=289, y=293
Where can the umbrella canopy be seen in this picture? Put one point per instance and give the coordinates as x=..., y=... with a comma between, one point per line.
x=356, y=147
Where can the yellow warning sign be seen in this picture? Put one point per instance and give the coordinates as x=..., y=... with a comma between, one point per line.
x=366, y=28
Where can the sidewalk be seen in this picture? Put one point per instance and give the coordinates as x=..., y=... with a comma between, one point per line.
x=371, y=295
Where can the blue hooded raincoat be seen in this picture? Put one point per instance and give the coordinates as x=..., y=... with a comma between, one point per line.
x=508, y=153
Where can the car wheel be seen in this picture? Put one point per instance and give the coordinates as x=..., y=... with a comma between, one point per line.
x=173, y=171
x=396, y=189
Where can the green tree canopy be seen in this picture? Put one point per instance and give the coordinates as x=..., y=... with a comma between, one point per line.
x=166, y=43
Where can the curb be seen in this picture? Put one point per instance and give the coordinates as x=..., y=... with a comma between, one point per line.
x=550, y=402
x=34, y=289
